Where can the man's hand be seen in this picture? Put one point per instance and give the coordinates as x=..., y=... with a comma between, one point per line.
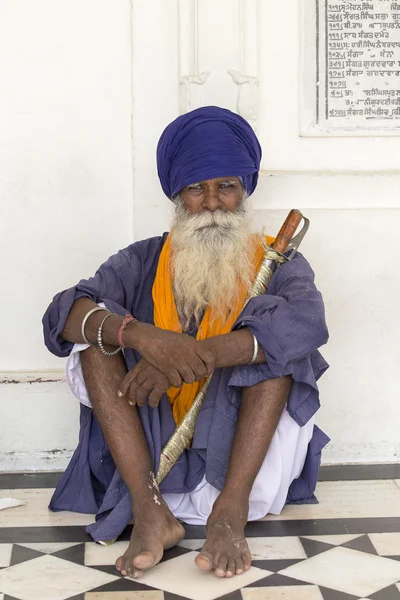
x=179, y=357
x=142, y=381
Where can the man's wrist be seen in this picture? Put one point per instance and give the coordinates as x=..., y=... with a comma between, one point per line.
x=132, y=335
x=212, y=345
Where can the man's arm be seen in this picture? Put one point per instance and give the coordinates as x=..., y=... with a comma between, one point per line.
x=178, y=357
x=232, y=349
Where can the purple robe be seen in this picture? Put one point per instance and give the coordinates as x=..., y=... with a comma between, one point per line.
x=289, y=323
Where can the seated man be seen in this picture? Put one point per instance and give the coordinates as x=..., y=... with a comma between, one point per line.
x=255, y=445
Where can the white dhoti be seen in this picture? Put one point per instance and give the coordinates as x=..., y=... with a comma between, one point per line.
x=283, y=463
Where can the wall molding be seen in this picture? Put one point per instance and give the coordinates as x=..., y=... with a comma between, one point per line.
x=191, y=80
x=246, y=79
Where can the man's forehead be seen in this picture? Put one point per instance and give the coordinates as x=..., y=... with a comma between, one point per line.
x=216, y=180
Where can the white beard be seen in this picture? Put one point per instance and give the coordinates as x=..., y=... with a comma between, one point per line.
x=212, y=255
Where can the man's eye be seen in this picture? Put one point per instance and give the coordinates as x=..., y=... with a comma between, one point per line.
x=194, y=187
x=227, y=184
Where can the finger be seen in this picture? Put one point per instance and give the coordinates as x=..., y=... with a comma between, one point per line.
x=155, y=397
x=198, y=367
x=132, y=394
x=186, y=373
x=142, y=392
x=174, y=379
x=129, y=377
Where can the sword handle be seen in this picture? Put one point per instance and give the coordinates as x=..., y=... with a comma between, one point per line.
x=287, y=231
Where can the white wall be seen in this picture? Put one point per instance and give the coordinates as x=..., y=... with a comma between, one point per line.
x=65, y=192
x=75, y=188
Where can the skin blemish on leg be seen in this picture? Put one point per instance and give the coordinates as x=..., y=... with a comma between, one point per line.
x=153, y=481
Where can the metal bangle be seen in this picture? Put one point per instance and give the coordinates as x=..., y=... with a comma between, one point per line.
x=93, y=310
x=100, y=339
x=255, y=353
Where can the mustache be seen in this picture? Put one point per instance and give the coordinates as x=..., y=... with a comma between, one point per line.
x=219, y=218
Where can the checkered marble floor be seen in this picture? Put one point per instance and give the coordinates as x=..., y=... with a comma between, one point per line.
x=347, y=547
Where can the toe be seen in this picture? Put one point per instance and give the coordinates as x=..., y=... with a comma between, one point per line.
x=239, y=566
x=118, y=564
x=231, y=568
x=246, y=557
x=222, y=564
x=132, y=571
x=204, y=560
x=144, y=560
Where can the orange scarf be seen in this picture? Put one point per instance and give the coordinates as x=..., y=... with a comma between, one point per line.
x=166, y=317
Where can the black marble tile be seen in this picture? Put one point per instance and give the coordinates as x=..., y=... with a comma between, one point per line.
x=329, y=594
x=363, y=544
x=170, y=596
x=236, y=595
x=359, y=472
x=322, y=527
x=174, y=552
x=15, y=481
x=6, y=597
x=314, y=547
x=20, y=554
x=75, y=554
x=194, y=532
x=389, y=593
x=276, y=580
x=123, y=585
x=110, y=569
x=275, y=565
x=329, y=473
x=44, y=534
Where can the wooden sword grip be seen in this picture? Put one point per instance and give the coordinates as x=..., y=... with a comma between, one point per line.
x=287, y=231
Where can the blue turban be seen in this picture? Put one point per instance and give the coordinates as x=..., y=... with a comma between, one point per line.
x=207, y=143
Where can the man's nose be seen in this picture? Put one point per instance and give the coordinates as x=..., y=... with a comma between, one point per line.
x=211, y=200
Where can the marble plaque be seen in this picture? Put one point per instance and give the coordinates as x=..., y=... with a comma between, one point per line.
x=351, y=67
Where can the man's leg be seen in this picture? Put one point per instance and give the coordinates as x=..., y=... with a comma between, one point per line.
x=226, y=549
x=155, y=526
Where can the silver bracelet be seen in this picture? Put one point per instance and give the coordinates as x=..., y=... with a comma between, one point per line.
x=93, y=310
x=100, y=340
x=255, y=353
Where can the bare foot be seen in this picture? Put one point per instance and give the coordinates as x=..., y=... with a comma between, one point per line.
x=226, y=550
x=155, y=530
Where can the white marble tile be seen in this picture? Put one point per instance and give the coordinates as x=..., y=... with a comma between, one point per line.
x=335, y=540
x=49, y=547
x=285, y=592
x=347, y=571
x=36, y=511
x=1, y=596
x=50, y=578
x=144, y=595
x=96, y=554
x=386, y=544
x=192, y=544
x=5, y=554
x=271, y=548
x=348, y=499
x=181, y=576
